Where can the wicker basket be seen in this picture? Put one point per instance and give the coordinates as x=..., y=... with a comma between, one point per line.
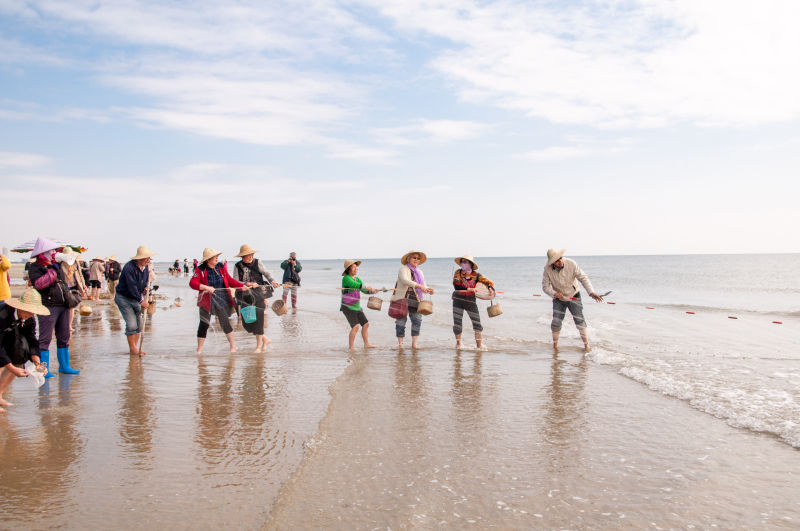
x=425, y=307
x=151, y=307
x=494, y=310
x=374, y=303
x=84, y=309
x=279, y=307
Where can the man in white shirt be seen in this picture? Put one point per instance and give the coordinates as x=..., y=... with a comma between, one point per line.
x=560, y=281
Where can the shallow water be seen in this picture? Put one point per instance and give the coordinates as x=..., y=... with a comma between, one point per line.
x=644, y=431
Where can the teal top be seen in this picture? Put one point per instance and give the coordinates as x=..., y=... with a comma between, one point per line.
x=351, y=298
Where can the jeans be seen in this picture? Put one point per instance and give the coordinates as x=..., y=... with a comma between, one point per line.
x=131, y=311
x=416, y=320
x=560, y=310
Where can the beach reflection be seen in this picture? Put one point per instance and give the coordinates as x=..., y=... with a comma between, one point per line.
x=137, y=415
x=564, y=414
x=214, y=403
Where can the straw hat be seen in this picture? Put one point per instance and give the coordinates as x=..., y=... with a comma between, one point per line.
x=30, y=301
x=98, y=258
x=348, y=263
x=67, y=255
x=209, y=253
x=143, y=252
x=43, y=245
x=467, y=257
x=553, y=255
x=112, y=257
x=422, y=259
x=245, y=249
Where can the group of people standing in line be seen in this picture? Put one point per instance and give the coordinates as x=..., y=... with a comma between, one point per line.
x=55, y=280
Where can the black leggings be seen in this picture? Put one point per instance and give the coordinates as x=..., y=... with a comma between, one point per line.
x=257, y=326
x=459, y=305
x=222, y=319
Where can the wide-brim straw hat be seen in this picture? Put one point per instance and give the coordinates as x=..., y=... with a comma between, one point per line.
x=98, y=259
x=467, y=257
x=112, y=257
x=43, y=245
x=554, y=254
x=209, y=253
x=67, y=255
x=422, y=259
x=245, y=249
x=30, y=301
x=348, y=263
x=143, y=252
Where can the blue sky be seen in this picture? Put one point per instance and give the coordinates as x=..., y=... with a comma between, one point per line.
x=366, y=128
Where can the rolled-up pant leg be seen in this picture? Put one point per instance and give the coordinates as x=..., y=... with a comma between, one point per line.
x=559, y=311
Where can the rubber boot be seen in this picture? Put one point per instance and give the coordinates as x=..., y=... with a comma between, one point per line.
x=44, y=357
x=63, y=361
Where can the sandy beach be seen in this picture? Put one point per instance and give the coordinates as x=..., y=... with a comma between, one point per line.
x=310, y=435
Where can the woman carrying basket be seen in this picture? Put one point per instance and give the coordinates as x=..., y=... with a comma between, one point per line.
x=213, y=282
x=410, y=286
x=352, y=288
x=465, y=280
x=249, y=269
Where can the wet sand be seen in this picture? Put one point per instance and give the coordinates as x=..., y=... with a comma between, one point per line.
x=310, y=435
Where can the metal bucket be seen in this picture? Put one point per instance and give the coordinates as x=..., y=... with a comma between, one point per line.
x=425, y=307
x=84, y=309
x=494, y=310
x=374, y=303
x=279, y=307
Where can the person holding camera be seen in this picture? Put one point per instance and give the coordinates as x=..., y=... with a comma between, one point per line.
x=291, y=277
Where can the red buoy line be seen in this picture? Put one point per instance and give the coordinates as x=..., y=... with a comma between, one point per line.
x=653, y=308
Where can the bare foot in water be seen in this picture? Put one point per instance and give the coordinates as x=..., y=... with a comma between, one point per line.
x=233, y=349
x=587, y=348
x=5, y=403
x=555, y=348
x=458, y=345
x=200, y=350
x=370, y=345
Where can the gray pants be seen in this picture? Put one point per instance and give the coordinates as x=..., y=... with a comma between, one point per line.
x=560, y=310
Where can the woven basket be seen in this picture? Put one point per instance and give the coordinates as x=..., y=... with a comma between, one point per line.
x=151, y=308
x=84, y=309
x=279, y=307
x=494, y=310
x=425, y=307
x=374, y=303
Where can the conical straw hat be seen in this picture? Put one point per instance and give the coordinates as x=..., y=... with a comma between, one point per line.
x=43, y=245
x=143, y=252
x=209, y=253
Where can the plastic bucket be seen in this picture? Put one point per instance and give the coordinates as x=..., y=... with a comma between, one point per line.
x=248, y=314
x=425, y=307
x=374, y=303
x=279, y=307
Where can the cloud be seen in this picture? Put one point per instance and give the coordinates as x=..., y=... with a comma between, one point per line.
x=430, y=131
x=579, y=148
x=618, y=64
x=10, y=160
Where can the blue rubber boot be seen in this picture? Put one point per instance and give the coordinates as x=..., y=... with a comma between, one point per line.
x=44, y=357
x=63, y=361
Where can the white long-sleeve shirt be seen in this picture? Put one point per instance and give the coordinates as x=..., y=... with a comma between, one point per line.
x=565, y=280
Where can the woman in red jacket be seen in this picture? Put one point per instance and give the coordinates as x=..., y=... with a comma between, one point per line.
x=213, y=282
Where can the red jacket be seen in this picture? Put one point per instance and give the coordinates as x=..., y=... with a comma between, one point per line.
x=200, y=277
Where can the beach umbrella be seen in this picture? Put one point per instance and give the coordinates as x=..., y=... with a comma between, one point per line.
x=28, y=246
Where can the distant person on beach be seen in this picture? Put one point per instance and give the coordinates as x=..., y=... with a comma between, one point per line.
x=411, y=286
x=48, y=279
x=113, y=271
x=465, y=280
x=186, y=267
x=291, y=277
x=5, y=279
x=248, y=270
x=131, y=296
x=194, y=265
x=84, y=270
x=18, y=341
x=213, y=282
x=96, y=271
x=560, y=281
x=352, y=288
x=72, y=276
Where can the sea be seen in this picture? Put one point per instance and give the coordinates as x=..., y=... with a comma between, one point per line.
x=685, y=413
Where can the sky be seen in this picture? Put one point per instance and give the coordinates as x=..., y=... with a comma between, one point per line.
x=364, y=129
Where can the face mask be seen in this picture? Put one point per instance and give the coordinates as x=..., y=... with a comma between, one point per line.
x=466, y=267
